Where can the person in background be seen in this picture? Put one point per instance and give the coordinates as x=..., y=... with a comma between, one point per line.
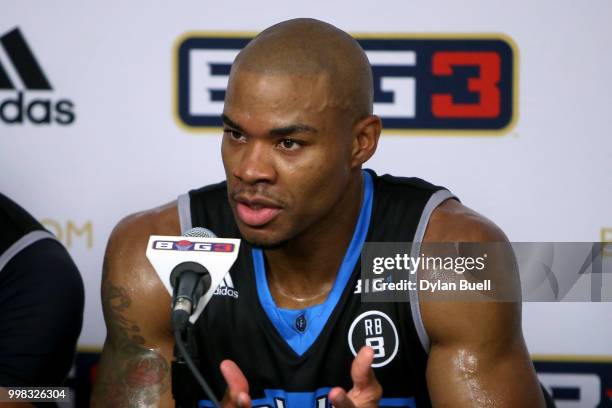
x=41, y=303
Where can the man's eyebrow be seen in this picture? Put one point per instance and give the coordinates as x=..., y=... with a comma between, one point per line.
x=231, y=123
x=281, y=131
x=291, y=129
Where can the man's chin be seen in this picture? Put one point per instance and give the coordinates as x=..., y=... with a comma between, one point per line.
x=262, y=241
x=265, y=245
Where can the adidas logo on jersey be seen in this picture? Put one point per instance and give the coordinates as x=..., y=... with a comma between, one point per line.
x=226, y=288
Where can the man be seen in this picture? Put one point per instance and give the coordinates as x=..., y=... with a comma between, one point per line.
x=41, y=304
x=298, y=128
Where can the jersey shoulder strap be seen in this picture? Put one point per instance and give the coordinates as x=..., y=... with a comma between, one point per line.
x=401, y=211
x=208, y=207
x=18, y=230
x=402, y=208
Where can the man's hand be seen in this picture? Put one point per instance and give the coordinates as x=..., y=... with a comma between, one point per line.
x=366, y=391
x=237, y=392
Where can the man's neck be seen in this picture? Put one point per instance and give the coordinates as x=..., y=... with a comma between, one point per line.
x=302, y=272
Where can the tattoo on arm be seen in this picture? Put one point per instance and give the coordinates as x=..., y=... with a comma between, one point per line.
x=131, y=375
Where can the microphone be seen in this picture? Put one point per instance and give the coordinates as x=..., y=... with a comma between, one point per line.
x=191, y=267
x=190, y=281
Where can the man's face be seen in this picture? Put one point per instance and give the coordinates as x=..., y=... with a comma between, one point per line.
x=286, y=151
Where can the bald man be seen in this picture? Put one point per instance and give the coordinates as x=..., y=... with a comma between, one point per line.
x=289, y=329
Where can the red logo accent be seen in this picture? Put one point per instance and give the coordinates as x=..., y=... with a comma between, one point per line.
x=486, y=85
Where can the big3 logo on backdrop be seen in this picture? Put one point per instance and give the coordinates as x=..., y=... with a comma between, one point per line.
x=422, y=83
x=26, y=94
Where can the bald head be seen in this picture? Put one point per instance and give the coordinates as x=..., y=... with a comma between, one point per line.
x=312, y=48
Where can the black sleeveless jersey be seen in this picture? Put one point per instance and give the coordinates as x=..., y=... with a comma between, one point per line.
x=41, y=302
x=292, y=358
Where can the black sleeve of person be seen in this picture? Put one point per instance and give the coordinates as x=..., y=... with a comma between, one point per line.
x=41, y=314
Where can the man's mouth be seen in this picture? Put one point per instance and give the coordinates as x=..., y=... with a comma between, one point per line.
x=256, y=212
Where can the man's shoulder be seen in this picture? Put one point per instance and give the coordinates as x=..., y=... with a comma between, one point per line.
x=479, y=324
x=452, y=221
x=15, y=223
x=127, y=244
x=162, y=220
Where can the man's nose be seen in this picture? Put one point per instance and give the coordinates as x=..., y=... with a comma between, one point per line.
x=256, y=164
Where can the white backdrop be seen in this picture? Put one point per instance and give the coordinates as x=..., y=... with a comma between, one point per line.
x=546, y=179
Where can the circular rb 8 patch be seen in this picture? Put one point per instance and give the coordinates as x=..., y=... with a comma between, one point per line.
x=376, y=330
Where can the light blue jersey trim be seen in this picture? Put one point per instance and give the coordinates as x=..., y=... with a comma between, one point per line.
x=316, y=399
x=316, y=316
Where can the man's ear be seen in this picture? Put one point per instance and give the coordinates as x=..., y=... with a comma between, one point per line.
x=365, y=139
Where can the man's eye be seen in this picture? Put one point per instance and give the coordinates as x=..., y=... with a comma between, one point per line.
x=233, y=133
x=289, y=144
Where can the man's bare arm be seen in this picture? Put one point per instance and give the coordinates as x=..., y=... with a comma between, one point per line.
x=478, y=357
x=134, y=369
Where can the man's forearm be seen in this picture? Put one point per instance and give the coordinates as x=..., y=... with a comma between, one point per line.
x=130, y=374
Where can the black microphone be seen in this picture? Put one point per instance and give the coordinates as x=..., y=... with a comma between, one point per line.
x=189, y=268
x=190, y=281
